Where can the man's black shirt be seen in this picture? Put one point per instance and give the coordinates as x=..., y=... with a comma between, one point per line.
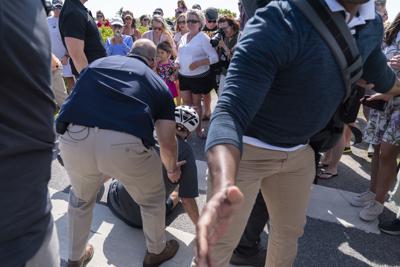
x=26, y=130
x=77, y=22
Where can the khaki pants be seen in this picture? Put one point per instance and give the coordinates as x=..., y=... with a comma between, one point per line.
x=48, y=253
x=58, y=86
x=285, y=180
x=91, y=153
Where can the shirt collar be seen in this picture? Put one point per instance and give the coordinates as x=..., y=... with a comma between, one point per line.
x=366, y=12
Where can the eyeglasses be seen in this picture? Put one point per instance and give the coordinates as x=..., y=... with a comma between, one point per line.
x=181, y=22
x=192, y=21
x=157, y=28
x=211, y=21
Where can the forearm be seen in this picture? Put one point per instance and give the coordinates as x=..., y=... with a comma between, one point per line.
x=223, y=161
x=169, y=155
x=80, y=61
x=395, y=91
x=203, y=62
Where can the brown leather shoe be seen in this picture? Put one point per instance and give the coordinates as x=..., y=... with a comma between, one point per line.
x=84, y=260
x=154, y=260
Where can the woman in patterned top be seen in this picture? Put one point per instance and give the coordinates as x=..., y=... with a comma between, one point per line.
x=383, y=132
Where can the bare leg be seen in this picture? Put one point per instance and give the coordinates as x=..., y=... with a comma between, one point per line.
x=196, y=100
x=337, y=152
x=326, y=160
x=207, y=105
x=347, y=135
x=375, y=168
x=178, y=98
x=191, y=209
x=387, y=170
x=69, y=84
x=187, y=97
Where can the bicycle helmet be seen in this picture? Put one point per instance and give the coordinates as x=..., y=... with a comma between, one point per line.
x=186, y=117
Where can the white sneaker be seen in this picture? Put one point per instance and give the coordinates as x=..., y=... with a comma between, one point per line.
x=362, y=199
x=372, y=211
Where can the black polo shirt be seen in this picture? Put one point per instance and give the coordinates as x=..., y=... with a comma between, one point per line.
x=77, y=22
x=122, y=94
x=26, y=130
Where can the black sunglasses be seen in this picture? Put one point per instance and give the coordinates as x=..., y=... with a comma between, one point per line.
x=192, y=21
x=211, y=21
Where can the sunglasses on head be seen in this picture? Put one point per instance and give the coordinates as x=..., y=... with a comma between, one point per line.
x=192, y=21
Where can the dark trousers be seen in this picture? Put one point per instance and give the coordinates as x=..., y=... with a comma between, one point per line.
x=248, y=244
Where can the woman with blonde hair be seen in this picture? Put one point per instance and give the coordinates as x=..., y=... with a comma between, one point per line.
x=180, y=28
x=195, y=55
x=160, y=33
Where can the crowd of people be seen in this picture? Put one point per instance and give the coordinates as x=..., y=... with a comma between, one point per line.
x=126, y=107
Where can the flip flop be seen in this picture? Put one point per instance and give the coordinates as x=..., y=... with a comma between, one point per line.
x=328, y=175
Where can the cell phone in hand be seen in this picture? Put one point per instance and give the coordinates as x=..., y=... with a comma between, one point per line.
x=374, y=104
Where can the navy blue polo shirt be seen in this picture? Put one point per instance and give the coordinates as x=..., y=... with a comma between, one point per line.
x=121, y=94
x=283, y=83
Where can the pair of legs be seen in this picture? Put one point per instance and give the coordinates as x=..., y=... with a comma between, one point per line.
x=89, y=154
x=332, y=157
x=194, y=100
x=285, y=180
x=383, y=169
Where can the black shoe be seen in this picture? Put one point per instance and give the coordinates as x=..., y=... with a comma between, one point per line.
x=391, y=228
x=257, y=260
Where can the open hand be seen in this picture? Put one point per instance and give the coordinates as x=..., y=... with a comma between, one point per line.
x=214, y=221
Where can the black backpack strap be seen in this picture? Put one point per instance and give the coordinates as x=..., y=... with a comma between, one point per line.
x=334, y=30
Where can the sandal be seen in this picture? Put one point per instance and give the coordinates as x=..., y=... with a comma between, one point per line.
x=326, y=175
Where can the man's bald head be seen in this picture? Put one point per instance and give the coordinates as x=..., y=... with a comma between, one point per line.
x=144, y=48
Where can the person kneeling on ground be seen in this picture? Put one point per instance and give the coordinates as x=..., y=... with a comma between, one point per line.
x=125, y=207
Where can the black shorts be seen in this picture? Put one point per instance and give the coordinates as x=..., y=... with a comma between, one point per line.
x=200, y=84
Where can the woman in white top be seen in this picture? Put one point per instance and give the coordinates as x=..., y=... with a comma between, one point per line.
x=180, y=28
x=159, y=33
x=195, y=55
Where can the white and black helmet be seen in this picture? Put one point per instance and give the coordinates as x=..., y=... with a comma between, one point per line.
x=187, y=117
